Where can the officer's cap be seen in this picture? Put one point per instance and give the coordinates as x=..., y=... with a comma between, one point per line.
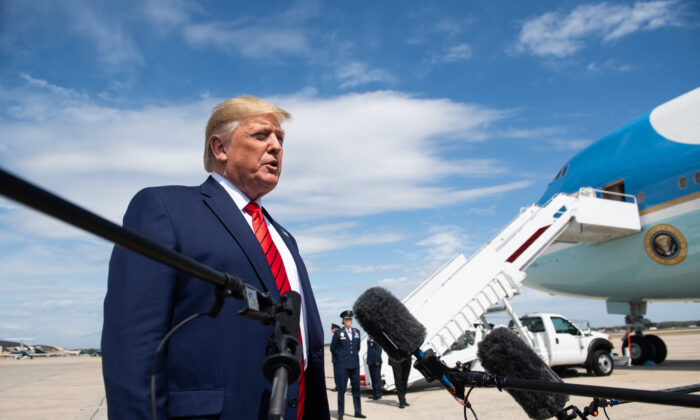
x=334, y=326
x=347, y=314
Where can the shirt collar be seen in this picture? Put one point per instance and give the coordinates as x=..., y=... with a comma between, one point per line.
x=238, y=197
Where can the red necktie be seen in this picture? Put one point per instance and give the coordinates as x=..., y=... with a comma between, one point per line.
x=274, y=259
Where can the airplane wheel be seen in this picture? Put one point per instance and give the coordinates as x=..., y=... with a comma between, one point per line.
x=602, y=363
x=659, y=347
x=641, y=350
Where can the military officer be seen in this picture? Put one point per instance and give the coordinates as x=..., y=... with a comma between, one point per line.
x=334, y=328
x=345, y=348
x=374, y=361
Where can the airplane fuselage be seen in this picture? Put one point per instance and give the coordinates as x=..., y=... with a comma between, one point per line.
x=656, y=159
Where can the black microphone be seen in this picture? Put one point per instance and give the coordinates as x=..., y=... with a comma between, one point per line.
x=503, y=353
x=389, y=323
x=398, y=333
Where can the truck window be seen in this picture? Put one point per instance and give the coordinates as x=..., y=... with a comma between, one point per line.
x=465, y=340
x=562, y=326
x=533, y=324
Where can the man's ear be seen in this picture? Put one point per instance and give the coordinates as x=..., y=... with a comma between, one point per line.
x=216, y=145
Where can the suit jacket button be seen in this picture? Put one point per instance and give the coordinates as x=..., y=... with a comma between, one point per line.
x=292, y=402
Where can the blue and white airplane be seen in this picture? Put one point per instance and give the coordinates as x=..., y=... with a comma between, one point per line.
x=655, y=158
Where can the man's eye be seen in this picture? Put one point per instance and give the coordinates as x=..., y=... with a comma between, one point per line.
x=260, y=136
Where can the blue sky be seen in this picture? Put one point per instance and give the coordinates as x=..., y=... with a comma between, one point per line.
x=418, y=130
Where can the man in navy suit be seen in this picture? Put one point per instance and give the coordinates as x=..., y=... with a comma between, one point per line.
x=211, y=368
x=345, y=348
x=374, y=361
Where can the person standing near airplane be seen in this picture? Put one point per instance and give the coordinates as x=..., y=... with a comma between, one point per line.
x=345, y=348
x=401, y=371
x=334, y=328
x=212, y=367
x=374, y=361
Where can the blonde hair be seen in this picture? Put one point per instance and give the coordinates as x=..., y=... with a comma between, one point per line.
x=227, y=115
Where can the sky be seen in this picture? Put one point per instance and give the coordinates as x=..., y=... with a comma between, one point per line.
x=418, y=129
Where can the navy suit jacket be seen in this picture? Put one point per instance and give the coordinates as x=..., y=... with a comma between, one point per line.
x=345, y=351
x=211, y=368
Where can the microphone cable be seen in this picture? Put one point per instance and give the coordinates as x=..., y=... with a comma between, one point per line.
x=158, y=353
x=468, y=405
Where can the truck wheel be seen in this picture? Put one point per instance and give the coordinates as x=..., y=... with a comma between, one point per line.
x=659, y=347
x=601, y=363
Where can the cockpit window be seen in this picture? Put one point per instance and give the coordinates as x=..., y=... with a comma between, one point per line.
x=561, y=172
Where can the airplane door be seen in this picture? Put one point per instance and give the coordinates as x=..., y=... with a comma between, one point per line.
x=567, y=345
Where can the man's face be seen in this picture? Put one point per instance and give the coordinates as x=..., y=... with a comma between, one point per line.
x=347, y=322
x=252, y=155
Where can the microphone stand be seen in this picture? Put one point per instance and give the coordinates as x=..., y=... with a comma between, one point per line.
x=432, y=367
x=283, y=363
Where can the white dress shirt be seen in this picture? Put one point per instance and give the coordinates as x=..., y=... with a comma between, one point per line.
x=289, y=265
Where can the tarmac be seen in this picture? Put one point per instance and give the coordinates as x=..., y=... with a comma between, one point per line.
x=72, y=388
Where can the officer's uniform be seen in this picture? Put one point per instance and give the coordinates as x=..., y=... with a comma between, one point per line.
x=374, y=360
x=345, y=348
x=334, y=360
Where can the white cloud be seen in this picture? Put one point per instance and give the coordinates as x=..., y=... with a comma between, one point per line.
x=168, y=14
x=528, y=133
x=360, y=268
x=107, y=29
x=109, y=34
x=356, y=73
x=454, y=53
x=607, y=66
x=561, y=35
x=337, y=236
x=444, y=243
x=361, y=154
x=256, y=36
x=570, y=144
x=247, y=38
x=352, y=155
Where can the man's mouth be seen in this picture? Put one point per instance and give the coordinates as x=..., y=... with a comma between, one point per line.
x=272, y=165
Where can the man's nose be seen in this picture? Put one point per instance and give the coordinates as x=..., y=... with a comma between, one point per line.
x=275, y=143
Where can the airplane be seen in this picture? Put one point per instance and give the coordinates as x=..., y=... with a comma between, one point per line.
x=23, y=351
x=655, y=161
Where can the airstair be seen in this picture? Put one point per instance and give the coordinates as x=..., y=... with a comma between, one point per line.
x=457, y=296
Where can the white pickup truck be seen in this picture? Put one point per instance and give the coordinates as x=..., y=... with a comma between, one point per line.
x=562, y=344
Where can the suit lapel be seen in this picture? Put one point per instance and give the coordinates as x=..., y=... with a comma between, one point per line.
x=221, y=204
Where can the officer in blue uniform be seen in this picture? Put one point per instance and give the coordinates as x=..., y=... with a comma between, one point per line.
x=334, y=328
x=374, y=361
x=345, y=348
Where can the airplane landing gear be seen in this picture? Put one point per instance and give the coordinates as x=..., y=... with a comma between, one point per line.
x=645, y=348
x=659, y=348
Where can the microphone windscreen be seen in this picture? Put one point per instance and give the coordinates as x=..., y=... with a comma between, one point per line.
x=503, y=353
x=389, y=323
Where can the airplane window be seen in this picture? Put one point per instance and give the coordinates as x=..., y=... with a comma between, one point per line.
x=696, y=177
x=561, y=172
x=682, y=182
x=640, y=197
